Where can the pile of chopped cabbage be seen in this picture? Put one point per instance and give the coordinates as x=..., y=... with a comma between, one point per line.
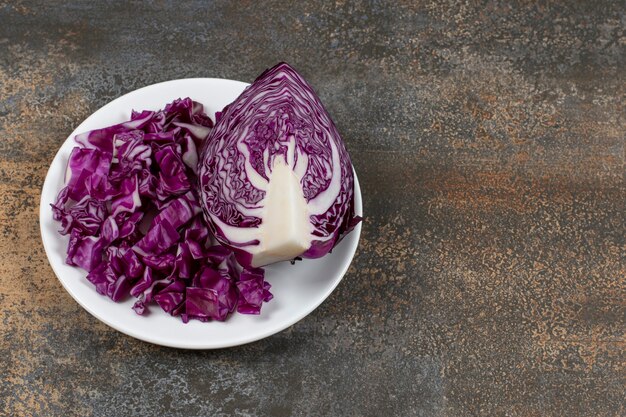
x=130, y=206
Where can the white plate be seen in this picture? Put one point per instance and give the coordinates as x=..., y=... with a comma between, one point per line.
x=298, y=289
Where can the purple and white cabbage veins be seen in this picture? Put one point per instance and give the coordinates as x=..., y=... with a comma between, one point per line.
x=276, y=179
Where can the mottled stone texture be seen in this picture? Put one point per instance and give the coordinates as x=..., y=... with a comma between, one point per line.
x=490, y=144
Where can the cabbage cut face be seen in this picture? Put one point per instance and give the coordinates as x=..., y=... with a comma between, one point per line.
x=276, y=179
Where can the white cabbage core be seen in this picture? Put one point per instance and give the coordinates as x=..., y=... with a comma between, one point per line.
x=285, y=231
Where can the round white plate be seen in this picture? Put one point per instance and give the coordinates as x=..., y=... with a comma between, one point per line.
x=298, y=289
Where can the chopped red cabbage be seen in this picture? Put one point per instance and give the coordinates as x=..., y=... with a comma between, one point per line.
x=132, y=211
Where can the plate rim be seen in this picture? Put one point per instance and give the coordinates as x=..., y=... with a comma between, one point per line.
x=44, y=207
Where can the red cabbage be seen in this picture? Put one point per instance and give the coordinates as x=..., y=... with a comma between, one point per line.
x=277, y=136
x=131, y=208
x=253, y=291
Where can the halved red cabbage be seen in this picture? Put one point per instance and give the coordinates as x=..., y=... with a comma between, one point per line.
x=131, y=208
x=276, y=179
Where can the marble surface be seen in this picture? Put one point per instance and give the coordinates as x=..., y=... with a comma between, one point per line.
x=490, y=144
